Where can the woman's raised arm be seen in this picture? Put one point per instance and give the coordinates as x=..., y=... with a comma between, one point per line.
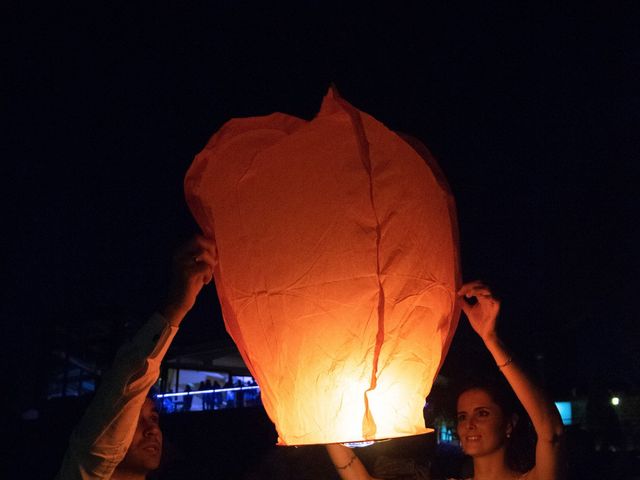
x=543, y=413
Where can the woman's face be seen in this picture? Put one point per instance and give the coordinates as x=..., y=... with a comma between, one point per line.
x=482, y=427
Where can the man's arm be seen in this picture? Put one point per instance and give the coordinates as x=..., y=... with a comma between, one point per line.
x=101, y=439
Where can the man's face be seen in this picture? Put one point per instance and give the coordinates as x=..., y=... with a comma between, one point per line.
x=145, y=451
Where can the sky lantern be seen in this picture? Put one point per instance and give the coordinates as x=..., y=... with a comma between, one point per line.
x=337, y=268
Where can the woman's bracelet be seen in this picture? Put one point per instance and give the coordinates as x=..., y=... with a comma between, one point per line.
x=509, y=360
x=348, y=464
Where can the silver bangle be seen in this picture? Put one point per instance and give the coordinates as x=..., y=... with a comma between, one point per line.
x=505, y=363
x=348, y=464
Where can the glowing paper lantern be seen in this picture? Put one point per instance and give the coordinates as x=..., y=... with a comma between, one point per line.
x=337, y=268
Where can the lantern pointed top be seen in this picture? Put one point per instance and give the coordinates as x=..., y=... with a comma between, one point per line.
x=332, y=102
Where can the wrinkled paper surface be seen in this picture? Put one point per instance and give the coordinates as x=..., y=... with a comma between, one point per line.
x=337, y=268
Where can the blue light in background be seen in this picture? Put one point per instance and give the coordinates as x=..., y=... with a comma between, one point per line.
x=198, y=392
x=565, y=412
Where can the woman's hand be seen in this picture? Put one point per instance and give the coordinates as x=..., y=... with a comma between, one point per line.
x=482, y=315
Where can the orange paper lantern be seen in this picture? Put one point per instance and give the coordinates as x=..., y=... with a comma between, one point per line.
x=337, y=268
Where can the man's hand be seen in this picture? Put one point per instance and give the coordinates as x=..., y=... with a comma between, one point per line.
x=482, y=315
x=192, y=268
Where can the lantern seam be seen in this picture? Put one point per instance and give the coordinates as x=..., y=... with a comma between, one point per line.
x=369, y=426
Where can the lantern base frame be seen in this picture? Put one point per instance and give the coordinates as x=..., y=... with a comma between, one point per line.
x=352, y=444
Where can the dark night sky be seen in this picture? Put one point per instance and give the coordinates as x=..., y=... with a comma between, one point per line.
x=533, y=113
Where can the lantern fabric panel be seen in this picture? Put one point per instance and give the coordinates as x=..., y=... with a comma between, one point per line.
x=337, y=268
